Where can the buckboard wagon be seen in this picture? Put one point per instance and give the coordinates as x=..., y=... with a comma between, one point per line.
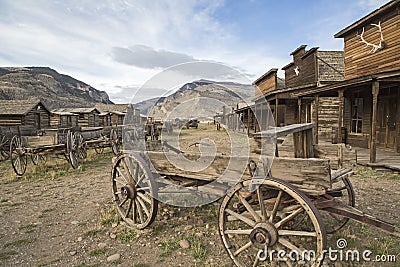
x=289, y=207
x=36, y=144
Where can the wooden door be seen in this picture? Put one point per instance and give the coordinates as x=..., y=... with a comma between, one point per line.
x=37, y=120
x=386, y=122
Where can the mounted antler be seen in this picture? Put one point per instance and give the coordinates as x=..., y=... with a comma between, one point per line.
x=374, y=46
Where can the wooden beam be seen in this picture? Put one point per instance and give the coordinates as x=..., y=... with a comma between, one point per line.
x=276, y=111
x=372, y=148
x=299, y=109
x=340, y=116
x=316, y=119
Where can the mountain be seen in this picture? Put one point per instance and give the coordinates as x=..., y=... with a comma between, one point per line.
x=54, y=89
x=200, y=98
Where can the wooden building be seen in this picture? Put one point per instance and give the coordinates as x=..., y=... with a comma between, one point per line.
x=24, y=113
x=369, y=97
x=63, y=119
x=309, y=70
x=87, y=117
x=105, y=119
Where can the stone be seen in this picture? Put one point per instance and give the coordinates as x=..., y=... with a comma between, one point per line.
x=113, y=236
x=102, y=245
x=72, y=253
x=79, y=239
x=114, y=257
x=184, y=244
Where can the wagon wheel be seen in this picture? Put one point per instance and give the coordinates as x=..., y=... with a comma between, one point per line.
x=343, y=193
x=72, y=150
x=38, y=159
x=276, y=216
x=18, y=155
x=4, y=150
x=134, y=190
x=80, y=145
x=115, y=142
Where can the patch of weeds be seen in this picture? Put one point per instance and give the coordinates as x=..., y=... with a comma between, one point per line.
x=18, y=243
x=5, y=255
x=93, y=232
x=97, y=252
x=140, y=265
x=109, y=217
x=168, y=248
x=126, y=235
x=29, y=228
x=199, y=250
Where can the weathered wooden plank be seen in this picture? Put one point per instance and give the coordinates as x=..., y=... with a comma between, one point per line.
x=311, y=175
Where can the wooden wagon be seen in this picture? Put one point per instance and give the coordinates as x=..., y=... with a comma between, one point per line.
x=54, y=141
x=289, y=207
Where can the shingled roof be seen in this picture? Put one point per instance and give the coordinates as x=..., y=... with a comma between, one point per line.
x=115, y=108
x=18, y=107
x=76, y=110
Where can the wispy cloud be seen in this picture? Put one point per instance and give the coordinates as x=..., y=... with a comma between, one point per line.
x=147, y=57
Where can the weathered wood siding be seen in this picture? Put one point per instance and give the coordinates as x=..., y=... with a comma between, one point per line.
x=63, y=121
x=291, y=111
x=11, y=120
x=267, y=85
x=358, y=59
x=328, y=113
x=306, y=66
x=330, y=65
x=39, y=112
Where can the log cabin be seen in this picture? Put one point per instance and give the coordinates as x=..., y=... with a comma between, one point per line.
x=63, y=119
x=87, y=117
x=369, y=96
x=31, y=113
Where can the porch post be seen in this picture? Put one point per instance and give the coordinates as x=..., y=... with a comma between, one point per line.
x=340, y=117
x=316, y=119
x=299, y=109
x=276, y=111
x=372, y=148
x=248, y=120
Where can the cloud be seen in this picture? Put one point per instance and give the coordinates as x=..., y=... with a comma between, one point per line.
x=147, y=57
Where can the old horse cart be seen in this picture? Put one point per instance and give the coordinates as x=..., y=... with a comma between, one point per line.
x=284, y=204
x=24, y=145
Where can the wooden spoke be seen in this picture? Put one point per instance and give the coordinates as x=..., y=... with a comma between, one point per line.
x=123, y=202
x=256, y=261
x=129, y=208
x=289, y=245
x=241, y=217
x=143, y=206
x=275, y=209
x=243, y=248
x=297, y=233
x=238, y=232
x=140, y=212
x=261, y=201
x=249, y=208
x=143, y=196
x=289, y=217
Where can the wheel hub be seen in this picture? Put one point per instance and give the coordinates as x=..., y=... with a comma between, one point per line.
x=129, y=191
x=264, y=234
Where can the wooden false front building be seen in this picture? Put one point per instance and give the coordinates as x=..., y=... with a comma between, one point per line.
x=63, y=119
x=369, y=97
x=30, y=113
x=309, y=70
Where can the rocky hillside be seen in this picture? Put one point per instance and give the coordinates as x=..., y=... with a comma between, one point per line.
x=54, y=89
x=199, y=97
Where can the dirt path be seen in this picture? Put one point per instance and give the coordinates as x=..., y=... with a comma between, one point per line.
x=69, y=221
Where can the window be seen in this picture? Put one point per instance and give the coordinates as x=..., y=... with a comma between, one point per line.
x=356, y=115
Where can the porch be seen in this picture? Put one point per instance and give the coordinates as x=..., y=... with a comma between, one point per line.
x=385, y=158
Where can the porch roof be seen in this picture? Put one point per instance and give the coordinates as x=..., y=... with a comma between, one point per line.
x=384, y=76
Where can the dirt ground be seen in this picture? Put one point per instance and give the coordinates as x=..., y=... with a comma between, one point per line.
x=64, y=217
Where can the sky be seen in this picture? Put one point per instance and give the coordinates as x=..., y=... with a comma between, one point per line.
x=119, y=45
